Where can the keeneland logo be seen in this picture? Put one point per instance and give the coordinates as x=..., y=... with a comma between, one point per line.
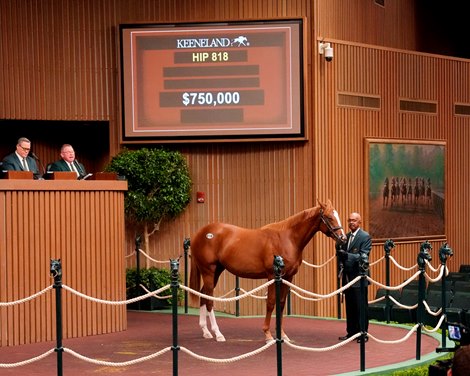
x=212, y=42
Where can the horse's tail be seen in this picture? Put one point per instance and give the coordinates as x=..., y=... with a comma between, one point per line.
x=194, y=280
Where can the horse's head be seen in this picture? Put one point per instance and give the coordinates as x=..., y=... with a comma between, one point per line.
x=56, y=269
x=445, y=252
x=331, y=223
x=388, y=246
x=424, y=254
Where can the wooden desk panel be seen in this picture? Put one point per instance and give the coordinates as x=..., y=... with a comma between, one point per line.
x=80, y=222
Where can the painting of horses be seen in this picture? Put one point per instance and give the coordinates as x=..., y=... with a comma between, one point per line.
x=406, y=189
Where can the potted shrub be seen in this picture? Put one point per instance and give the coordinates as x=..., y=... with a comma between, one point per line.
x=159, y=187
x=153, y=279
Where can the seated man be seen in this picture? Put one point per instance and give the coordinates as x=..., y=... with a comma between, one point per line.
x=68, y=162
x=20, y=160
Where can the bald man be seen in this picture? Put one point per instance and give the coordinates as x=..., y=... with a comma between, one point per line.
x=358, y=245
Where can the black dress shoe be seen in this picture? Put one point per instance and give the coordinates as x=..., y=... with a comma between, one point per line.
x=344, y=337
x=366, y=338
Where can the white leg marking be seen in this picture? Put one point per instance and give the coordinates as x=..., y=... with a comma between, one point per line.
x=215, y=328
x=203, y=322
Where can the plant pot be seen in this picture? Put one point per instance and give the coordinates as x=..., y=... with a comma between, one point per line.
x=149, y=304
x=153, y=279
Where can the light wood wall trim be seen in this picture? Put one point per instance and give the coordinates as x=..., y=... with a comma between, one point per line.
x=60, y=185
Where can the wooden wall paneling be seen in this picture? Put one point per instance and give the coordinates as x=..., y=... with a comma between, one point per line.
x=67, y=69
x=3, y=276
x=17, y=258
x=40, y=226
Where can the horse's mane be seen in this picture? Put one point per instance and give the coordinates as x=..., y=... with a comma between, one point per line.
x=292, y=220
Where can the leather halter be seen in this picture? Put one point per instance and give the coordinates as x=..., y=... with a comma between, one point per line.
x=331, y=229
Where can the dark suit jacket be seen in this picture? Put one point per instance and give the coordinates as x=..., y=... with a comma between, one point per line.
x=12, y=163
x=62, y=165
x=361, y=244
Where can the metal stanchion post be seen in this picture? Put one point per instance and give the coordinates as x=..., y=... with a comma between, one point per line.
x=56, y=272
x=338, y=286
x=186, y=245
x=388, y=246
x=444, y=253
x=423, y=256
x=278, y=268
x=138, y=242
x=174, y=268
x=364, y=267
x=288, y=302
x=237, y=293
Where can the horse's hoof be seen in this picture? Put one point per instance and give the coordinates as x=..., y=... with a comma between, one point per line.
x=269, y=338
x=220, y=338
x=285, y=338
x=207, y=334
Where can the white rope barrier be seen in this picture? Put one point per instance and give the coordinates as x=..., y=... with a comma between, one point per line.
x=28, y=361
x=431, y=267
x=437, y=327
x=377, y=261
x=439, y=277
x=394, y=287
x=323, y=349
x=388, y=342
x=152, y=259
x=428, y=309
x=402, y=267
x=235, y=298
x=264, y=297
x=305, y=298
x=154, y=294
x=319, y=266
x=377, y=300
x=7, y=304
x=229, y=360
x=295, y=290
x=130, y=254
x=294, y=287
x=116, y=364
x=117, y=302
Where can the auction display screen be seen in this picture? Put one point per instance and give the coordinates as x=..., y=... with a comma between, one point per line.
x=212, y=81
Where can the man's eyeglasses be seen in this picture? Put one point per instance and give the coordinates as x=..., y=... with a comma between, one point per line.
x=25, y=149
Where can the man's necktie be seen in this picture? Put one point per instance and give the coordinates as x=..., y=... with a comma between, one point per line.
x=25, y=165
x=74, y=169
x=351, y=238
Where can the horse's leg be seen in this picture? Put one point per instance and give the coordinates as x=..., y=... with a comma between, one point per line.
x=207, y=289
x=270, y=303
x=210, y=281
x=203, y=320
x=215, y=328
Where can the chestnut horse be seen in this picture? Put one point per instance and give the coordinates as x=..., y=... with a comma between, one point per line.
x=249, y=253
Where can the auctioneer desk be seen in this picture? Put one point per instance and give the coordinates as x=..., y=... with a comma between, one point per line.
x=82, y=223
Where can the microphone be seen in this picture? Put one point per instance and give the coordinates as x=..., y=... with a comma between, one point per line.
x=79, y=168
x=39, y=161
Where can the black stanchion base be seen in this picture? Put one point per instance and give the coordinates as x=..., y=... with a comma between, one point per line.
x=445, y=349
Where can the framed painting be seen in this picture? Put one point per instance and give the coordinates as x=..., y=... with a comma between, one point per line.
x=405, y=191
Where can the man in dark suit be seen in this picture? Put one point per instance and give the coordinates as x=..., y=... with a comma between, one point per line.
x=20, y=160
x=358, y=246
x=68, y=162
